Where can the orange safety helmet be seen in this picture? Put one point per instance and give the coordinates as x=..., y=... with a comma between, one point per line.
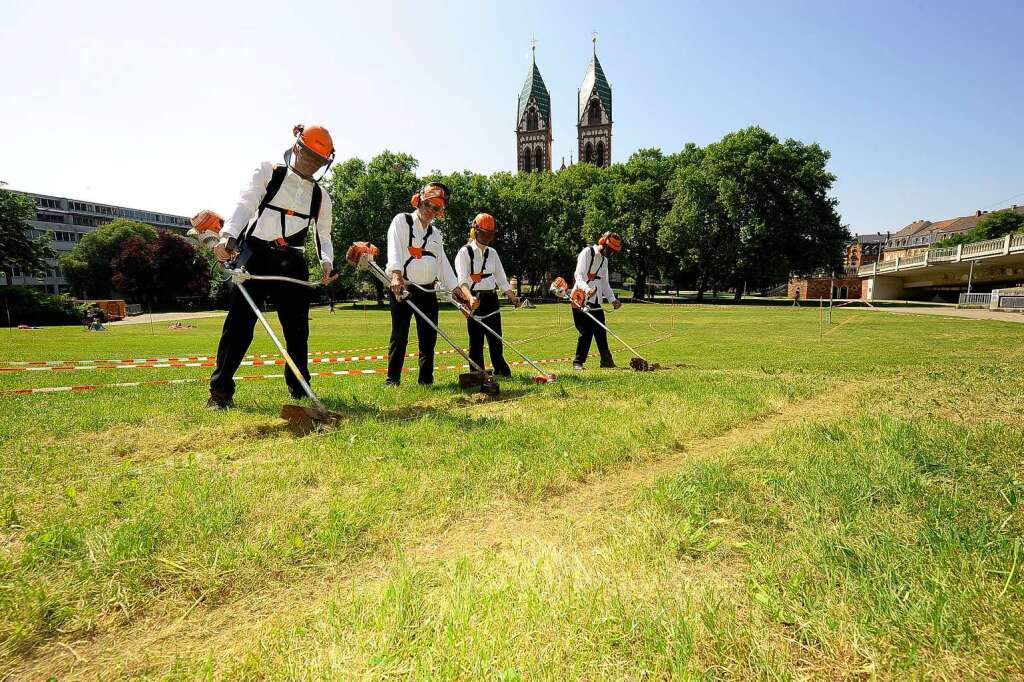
x=611, y=240
x=483, y=228
x=432, y=190
x=315, y=139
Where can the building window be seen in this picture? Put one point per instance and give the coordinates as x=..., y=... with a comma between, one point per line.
x=589, y=153
x=527, y=160
x=539, y=158
x=600, y=153
x=594, y=112
x=531, y=119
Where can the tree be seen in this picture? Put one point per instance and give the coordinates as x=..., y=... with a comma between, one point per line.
x=633, y=201
x=181, y=270
x=133, y=272
x=762, y=208
x=366, y=198
x=17, y=249
x=87, y=267
x=993, y=226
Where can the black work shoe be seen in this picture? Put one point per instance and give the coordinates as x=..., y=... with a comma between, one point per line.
x=577, y=365
x=297, y=395
x=219, y=402
x=607, y=362
x=504, y=375
x=391, y=383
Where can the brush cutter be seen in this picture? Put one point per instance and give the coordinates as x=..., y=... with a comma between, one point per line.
x=361, y=255
x=541, y=378
x=578, y=298
x=208, y=223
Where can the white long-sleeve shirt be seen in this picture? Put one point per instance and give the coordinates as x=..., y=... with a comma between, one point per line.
x=592, y=260
x=464, y=267
x=296, y=193
x=423, y=271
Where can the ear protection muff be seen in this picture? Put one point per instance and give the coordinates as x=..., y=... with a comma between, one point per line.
x=415, y=201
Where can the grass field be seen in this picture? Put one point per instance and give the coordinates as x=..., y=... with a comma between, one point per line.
x=794, y=502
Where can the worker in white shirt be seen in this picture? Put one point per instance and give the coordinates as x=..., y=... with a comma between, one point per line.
x=416, y=260
x=481, y=275
x=266, y=234
x=591, y=278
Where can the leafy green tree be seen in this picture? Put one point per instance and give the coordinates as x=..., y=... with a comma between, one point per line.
x=633, y=201
x=761, y=205
x=17, y=250
x=88, y=266
x=568, y=192
x=366, y=199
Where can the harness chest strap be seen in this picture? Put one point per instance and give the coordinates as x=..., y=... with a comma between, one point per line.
x=273, y=187
x=477, y=277
x=591, y=272
x=416, y=252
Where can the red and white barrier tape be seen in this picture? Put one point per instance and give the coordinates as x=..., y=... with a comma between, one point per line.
x=208, y=363
x=181, y=358
x=249, y=377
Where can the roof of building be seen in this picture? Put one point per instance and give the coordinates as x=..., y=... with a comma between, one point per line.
x=534, y=88
x=594, y=80
x=869, y=238
x=913, y=228
x=949, y=226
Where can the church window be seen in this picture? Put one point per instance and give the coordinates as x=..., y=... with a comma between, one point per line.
x=594, y=112
x=531, y=119
x=600, y=153
x=589, y=153
x=526, y=160
x=539, y=158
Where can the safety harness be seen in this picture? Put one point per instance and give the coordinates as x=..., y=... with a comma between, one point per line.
x=298, y=239
x=415, y=253
x=477, y=276
x=591, y=272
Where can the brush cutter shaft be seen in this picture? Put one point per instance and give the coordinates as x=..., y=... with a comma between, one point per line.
x=465, y=311
x=377, y=272
x=587, y=312
x=284, y=353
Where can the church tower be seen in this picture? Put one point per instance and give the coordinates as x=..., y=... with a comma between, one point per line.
x=533, y=122
x=594, y=115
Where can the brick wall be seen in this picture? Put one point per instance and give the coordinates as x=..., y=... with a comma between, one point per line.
x=818, y=287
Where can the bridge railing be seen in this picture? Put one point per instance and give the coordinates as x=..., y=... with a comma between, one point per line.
x=975, y=300
x=989, y=247
x=942, y=255
x=1011, y=301
x=912, y=261
x=1017, y=242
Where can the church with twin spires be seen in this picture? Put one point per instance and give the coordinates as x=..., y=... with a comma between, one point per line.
x=593, y=119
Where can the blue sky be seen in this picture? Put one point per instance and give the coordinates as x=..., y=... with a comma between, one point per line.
x=168, y=106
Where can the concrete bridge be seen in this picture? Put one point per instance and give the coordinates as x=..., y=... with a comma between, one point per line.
x=995, y=261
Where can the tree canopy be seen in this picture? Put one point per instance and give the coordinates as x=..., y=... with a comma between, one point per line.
x=17, y=248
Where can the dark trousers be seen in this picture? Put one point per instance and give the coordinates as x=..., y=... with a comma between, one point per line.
x=292, y=304
x=401, y=317
x=588, y=330
x=477, y=334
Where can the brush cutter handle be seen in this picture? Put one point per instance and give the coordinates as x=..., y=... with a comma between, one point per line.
x=240, y=275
